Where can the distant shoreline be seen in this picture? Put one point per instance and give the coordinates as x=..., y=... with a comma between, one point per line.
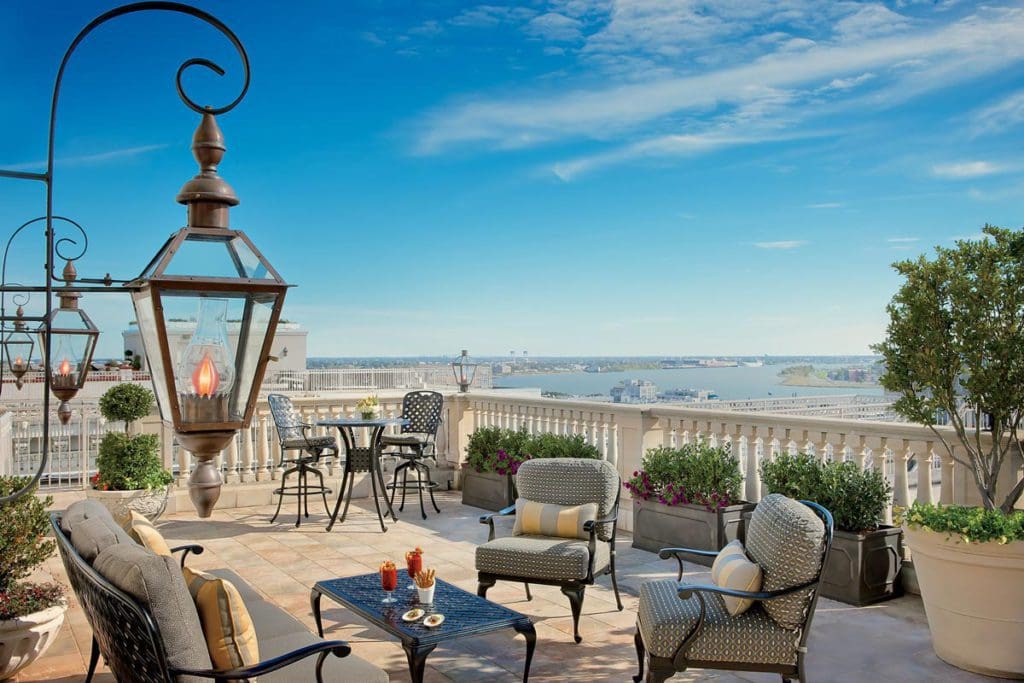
x=820, y=382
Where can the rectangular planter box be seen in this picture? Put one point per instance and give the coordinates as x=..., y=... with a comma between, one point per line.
x=486, y=490
x=864, y=568
x=657, y=526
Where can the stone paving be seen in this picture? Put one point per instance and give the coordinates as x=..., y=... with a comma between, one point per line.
x=885, y=642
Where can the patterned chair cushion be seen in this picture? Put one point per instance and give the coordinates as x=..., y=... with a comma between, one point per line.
x=788, y=540
x=409, y=439
x=539, y=557
x=227, y=626
x=732, y=569
x=91, y=536
x=313, y=441
x=572, y=481
x=752, y=637
x=145, y=534
x=561, y=521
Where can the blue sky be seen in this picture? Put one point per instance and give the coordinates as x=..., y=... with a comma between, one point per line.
x=567, y=177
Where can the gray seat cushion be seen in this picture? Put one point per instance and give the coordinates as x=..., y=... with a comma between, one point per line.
x=752, y=637
x=788, y=540
x=279, y=633
x=539, y=557
x=92, y=535
x=86, y=509
x=408, y=439
x=313, y=442
x=155, y=581
x=572, y=481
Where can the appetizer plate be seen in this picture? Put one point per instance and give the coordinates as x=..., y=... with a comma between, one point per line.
x=413, y=614
x=434, y=620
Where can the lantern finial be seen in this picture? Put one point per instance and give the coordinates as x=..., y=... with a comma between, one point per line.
x=207, y=195
x=69, y=299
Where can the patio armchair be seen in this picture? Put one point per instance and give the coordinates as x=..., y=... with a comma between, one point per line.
x=416, y=441
x=564, y=534
x=293, y=436
x=682, y=626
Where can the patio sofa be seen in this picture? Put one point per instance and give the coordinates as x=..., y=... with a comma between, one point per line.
x=149, y=628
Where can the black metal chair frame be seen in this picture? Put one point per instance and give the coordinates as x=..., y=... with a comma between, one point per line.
x=573, y=589
x=662, y=668
x=301, y=466
x=130, y=641
x=414, y=457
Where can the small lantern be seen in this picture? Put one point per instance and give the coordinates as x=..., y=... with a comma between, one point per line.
x=205, y=278
x=73, y=336
x=18, y=348
x=465, y=371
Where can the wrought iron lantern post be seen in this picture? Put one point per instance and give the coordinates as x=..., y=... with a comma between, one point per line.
x=465, y=371
x=253, y=287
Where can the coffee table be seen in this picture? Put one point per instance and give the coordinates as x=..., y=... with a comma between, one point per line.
x=465, y=614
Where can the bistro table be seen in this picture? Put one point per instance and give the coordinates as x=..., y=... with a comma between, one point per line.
x=465, y=615
x=362, y=459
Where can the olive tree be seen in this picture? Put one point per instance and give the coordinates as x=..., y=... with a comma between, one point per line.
x=955, y=347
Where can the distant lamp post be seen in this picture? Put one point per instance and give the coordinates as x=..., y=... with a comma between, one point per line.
x=73, y=337
x=18, y=348
x=214, y=275
x=465, y=371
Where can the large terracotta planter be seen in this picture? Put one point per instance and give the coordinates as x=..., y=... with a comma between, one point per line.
x=149, y=503
x=25, y=639
x=657, y=526
x=974, y=597
x=864, y=568
x=487, y=490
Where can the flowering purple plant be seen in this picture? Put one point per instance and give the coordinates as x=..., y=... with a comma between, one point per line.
x=695, y=474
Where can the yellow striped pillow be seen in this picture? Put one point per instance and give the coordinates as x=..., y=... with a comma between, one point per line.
x=145, y=534
x=227, y=626
x=732, y=569
x=545, y=519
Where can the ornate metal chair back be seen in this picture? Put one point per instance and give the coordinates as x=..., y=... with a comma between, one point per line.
x=126, y=633
x=286, y=419
x=423, y=411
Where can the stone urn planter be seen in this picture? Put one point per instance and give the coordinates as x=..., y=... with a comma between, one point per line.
x=864, y=568
x=25, y=639
x=150, y=503
x=487, y=490
x=973, y=595
x=657, y=526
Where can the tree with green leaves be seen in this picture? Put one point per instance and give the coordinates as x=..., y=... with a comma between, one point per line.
x=955, y=346
x=126, y=402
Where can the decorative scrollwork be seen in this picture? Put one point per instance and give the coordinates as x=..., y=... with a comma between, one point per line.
x=68, y=240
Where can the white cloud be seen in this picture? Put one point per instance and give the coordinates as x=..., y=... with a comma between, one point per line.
x=846, y=83
x=781, y=244
x=869, y=21
x=902, y=240
x=999, y=116
x=968, y=169
x=490, y=15
x=555, y=27
x=372, y=38
x=87, y=159
x=825, y=205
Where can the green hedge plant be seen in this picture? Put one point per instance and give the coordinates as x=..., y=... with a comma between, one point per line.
x=23, y=547
x=696, y=473
x=127, y=462
x=856, y=497
x=969, y=524
x=126, y=402
x=500, y=450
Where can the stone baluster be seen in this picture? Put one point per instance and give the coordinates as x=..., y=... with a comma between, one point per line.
x=262, y=449
x=925, y=494
x=592, y=436
x=879, y=446
x=184, y=466
x=247, y=473
x=901, y=485
x=949, y=469
x=232, y=462
x=668, y=433
x=821, y=447
x=752, y=483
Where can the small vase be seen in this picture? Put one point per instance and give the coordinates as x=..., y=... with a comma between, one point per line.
x=426, y=595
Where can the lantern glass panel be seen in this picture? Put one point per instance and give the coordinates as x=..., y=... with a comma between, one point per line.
x=146, y=318
x=221, y=256
x=18, y=347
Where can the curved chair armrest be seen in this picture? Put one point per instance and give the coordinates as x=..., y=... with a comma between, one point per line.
x=339, y=648
x=186, y=549
x=489, y=519
x=686, y=590
x=590, y=526
x=677, y=553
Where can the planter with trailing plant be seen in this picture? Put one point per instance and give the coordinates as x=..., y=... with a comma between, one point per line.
x=494, y=454
x=687, y=497
x=31, y=614
x=953, y=349
x=864, y=564
x=131, y=475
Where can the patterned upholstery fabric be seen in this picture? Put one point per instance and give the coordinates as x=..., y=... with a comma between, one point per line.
x=155, y=581
x=752, y=637
x=145, y=534
x=562, y=521
x=539, y=557
x=733, y=569
x=788, y=540
x=227, y=626
x=313, y=441
x=404, y=439
x=571, y=481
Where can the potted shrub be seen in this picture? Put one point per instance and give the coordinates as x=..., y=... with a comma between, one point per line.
x=687, y=497
x=494, y=454
x=131, y=475
x=866, y=557
x=31, y=614
x=954, y=350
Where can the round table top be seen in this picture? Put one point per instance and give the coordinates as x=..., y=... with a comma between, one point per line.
x=363, y=422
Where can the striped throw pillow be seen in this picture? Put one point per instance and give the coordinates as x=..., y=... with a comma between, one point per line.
x=546, y=519
x=145, y=534
x=732, y=569
x=227, y=626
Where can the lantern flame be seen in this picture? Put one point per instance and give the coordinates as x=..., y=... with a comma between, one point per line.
x=65, y=367
x=205, y=378
x=19, y=361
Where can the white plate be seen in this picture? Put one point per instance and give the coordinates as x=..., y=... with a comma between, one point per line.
x=434, y=620
x=413, y=614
